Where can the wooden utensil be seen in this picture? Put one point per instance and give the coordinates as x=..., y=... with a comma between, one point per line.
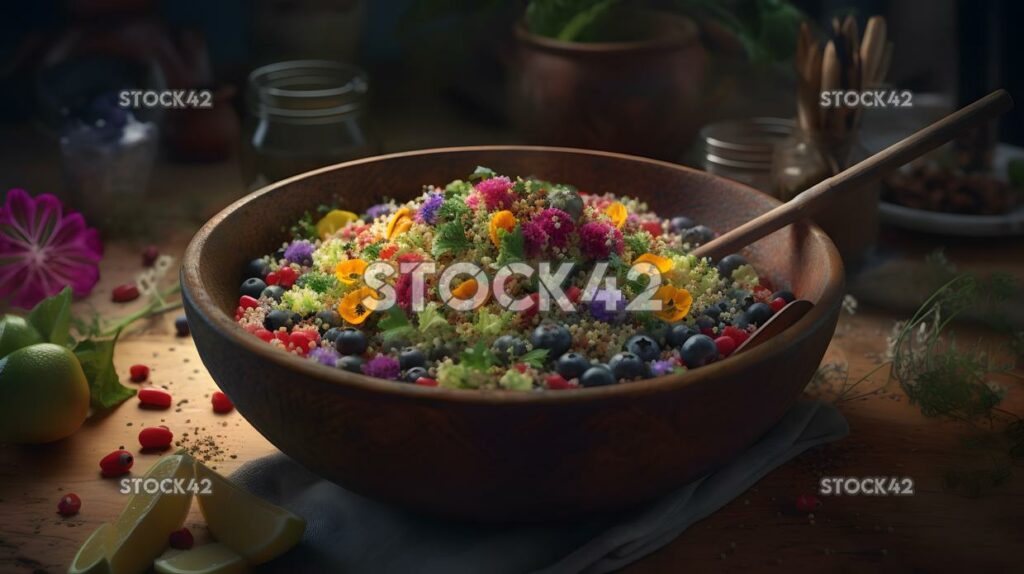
x=779, y=322
x=853, y=179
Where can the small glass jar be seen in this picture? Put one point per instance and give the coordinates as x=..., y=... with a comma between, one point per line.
x=743, y=150
x=304, y=114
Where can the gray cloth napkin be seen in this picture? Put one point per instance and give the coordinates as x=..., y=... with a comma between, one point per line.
x=349, y=533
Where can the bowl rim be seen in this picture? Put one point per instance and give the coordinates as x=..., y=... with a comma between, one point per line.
x=203, y=305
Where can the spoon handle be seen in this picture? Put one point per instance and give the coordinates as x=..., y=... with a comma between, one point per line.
x=856, y=176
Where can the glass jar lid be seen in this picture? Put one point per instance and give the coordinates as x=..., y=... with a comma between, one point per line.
x=306, y=90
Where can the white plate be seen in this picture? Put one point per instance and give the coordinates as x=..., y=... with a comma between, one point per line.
x=956, y=224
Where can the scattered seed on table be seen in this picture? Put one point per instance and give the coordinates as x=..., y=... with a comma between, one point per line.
x=117, y=463
x=124, y=293
x=69, y=504
x=154, y=398
x=181, y=326
x=221, y=403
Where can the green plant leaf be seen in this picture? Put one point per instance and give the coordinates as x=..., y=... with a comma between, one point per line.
x=511, y=248
x=395, y=325
x=431, y=319
x=481, y=173
x=450, y=238
x=52, y=318
x=478, y=357
x=97, y=359
x=535, y=358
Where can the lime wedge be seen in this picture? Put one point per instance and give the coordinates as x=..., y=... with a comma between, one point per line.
x=208, y=559
x=247, y=524
x=92, y=556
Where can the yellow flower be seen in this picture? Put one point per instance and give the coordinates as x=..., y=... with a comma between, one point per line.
x=501, y=220
x=399, y=223
x=675, y=303
x=663, y=264
x=350, y=271
x=333, y=221
x=617, y=212
x=353, y=307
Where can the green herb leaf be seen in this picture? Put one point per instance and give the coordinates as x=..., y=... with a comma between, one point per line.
x=52, y=318
x=97, y=359
x=395, y=325
x=478, y=357
x=535, y=358
x=481, y=173
x=431, y=319
x=511, y=248
x=450, y=238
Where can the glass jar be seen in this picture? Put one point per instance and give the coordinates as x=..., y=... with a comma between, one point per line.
x=851, y=218
x=743, y=150
x=304, y=114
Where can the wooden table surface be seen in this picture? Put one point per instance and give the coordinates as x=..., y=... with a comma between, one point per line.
x=933, y=530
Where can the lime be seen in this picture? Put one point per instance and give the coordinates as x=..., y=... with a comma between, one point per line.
x=207, y=559
x=44, y=395
x=92, y=556
x=16, y=333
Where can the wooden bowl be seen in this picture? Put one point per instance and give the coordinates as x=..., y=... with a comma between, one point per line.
x=504, y=455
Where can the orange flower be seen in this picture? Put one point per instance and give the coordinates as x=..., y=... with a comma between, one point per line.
x=663, y=264
x=617, y=212
x=501, y=220
x=466, y=289
x=357, y=305
x=333, y=221
x=675, y=303
x=399, y=223
x=350, y=271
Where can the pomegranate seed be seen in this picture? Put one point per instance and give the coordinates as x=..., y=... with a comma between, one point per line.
x=777, y=304
x=286, y=277
x=181, y=539
x=726, y=345
x=149, y=255
x=155, y=437
x=247, y=302
x=154, y=398
x=272, y=278
x=426, y=382
x=281, y=336
x=221, y=403
x=264, y=334
x=117, y=463
x=124, y=293
x=807, y=502
x=574, y=293
x=299, y=342
x=534, y=307
x=557, y=382
x=736, y=334
x=521, y=367
x=652, y=227
x=138, y=373
x=69, y=504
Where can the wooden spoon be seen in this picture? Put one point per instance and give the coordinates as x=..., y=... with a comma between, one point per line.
x=855, y=178
x=779, y=322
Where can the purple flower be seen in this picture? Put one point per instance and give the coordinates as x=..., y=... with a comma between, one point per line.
x=300, y=252
x=557, y=224
x=604, y=298
x=382, y=367
x=599, y=240
x=428, y=211
x=496, y=192
x=325, y=356
x=378, y=210
x=534, y=239
x=659, y=368
x=43, y=249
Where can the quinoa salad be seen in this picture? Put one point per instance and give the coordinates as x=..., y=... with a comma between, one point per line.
x=496, y=282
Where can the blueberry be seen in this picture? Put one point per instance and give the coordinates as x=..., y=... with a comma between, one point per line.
x=571, y=365
x=275, y=292
x=445, y=349
x=329, y=319
x=679, y=334
x=698, y=351
x=741, y=320
x=181, y=328
x=598, y=376
x=744, y=297
x=351, y=342
x=680, y=224
x=627, y=366
x=414, y=373
x=730, y=263
x=351, y=363
x=281, y=318
x=643, y=346
x=758, y=313
x=786, y=296
x=508, y=347
x=705, y=322
x=555, y=338
x=331, y=335
x=253, y=287
x=713, y=311
x=410, y=357
x=698, y=235
x=256, y=268
x=660, y=332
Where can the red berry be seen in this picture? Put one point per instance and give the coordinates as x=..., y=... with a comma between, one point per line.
x=652, y=227
x=534, y=307
x=221, y=403
x=181, y=539
x=726, y=345
x=69, y=504
x=247, y=302
x=709, y=331
x=281, y=336
x=777, y=304
x=736, y=334
x=154, y=398
x=521, y=367
x=138, y=373
x=117, y=463
x=574, y=293
x=149, y=255
x=426, y=382
x=264, y=334
x=124, y=293
x=300, y=342
x=286, y=277
x=557, y=382
x=155, y=437
x=272, y=278
x=807, y=502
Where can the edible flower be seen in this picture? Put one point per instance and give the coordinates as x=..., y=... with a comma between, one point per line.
x=662, y=264
x=496, y=192
x=333, y=221
x=675, y=303
x=300, y=252
x=354, y=307
x=556, y=224
x=599, y=240
x=466, y=289
x=428, y=211
x=399, y=223
x=382, y=367
x=501, y=220
x=618, y=214
x=350, y=271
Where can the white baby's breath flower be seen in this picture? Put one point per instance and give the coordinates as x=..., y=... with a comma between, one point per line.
x=850, y=304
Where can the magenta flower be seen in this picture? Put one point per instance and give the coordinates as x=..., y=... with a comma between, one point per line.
x=43, y=249
x=557, y=225
x=599, y=240
x=496, y=192
x=534, y=239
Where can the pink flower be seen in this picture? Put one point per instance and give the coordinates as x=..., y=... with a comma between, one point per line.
x=43, y=249
x=496, y=192
x=599, y=240
x=557, y=225
x=534, y=239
